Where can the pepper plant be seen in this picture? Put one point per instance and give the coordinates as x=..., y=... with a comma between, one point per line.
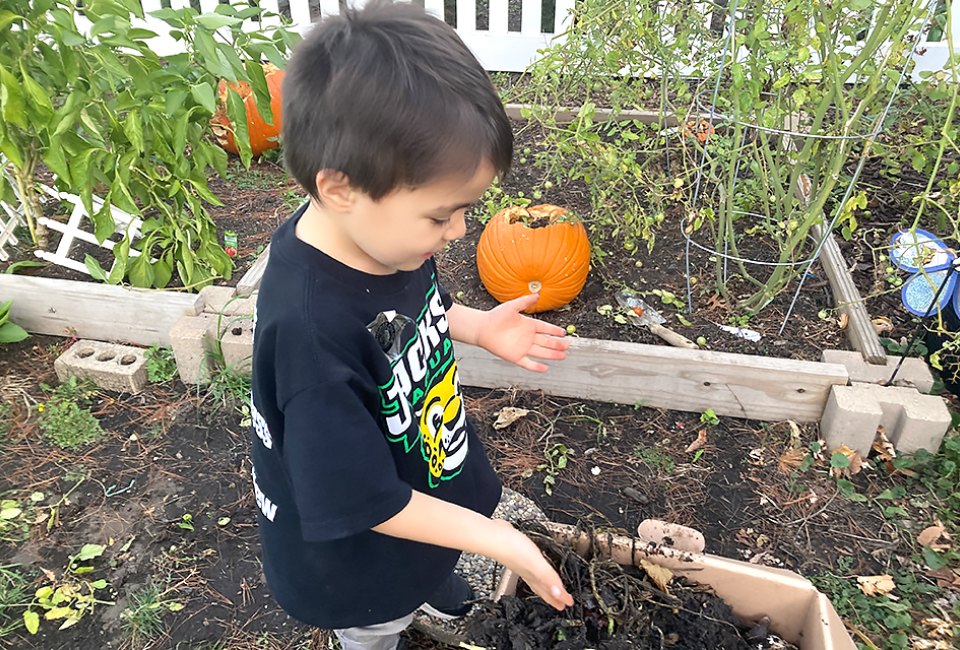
x=83, y=94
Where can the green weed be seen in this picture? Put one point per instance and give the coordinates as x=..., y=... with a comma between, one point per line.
x=890, y=619
x=143, y=617
x=14, y=594
x=64, y=418
x=655, y=459
x=161, y=364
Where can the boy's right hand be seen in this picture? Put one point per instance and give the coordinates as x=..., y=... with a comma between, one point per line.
x=523, y=557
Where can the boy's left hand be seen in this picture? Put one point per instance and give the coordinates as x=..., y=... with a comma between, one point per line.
x=514, y=337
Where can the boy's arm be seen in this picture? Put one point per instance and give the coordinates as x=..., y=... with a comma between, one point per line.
x=510, y=335
x=434, y=521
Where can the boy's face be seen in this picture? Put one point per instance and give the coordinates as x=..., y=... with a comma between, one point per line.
x=408, y=226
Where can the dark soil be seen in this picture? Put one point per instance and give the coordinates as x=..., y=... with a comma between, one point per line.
x=615, y=608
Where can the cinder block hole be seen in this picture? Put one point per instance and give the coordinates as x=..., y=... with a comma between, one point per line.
x=106, y=355
x=85, y=352
x=128, y=359
x=236, y=331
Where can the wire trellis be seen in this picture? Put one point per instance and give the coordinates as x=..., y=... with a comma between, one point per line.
x=716, y=117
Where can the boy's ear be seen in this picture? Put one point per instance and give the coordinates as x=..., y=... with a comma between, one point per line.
x=334, y=189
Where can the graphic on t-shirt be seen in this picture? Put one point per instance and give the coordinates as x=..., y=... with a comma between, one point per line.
x=443, y=427
x=421, y=403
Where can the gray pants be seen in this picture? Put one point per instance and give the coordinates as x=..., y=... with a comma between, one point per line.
x=385, y=636
x=382, y=636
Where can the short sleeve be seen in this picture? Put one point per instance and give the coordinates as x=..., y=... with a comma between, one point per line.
x=342, y=474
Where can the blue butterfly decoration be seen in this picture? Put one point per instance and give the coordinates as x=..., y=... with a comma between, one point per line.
x=932, y=263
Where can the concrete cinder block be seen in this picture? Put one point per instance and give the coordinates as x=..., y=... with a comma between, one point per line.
x=236, y=344
x=122, y=368
x=914, y=372
x=912, y=421
x=192, y=340
x=225, y=302
x=849, y=419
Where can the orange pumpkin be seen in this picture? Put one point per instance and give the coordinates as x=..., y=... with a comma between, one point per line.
x=263, y=136
x=541, y=249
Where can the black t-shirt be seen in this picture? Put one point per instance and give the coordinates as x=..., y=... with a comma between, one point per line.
x=356, y=402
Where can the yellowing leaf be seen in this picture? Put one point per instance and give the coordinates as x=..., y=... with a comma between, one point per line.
x=31, y=620
x=876, y=585
x=661, y=576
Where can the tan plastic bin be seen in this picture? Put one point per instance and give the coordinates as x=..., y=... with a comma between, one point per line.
x=797, y=610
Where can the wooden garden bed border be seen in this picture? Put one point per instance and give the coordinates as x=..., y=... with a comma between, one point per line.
x=754, y=387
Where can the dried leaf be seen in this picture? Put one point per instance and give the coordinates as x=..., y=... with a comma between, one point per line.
x=794, y=434
x=929, y=535
x=699, y=443
x=508, y=415
x=843, y=321
x=882, y=325
x=939, y=628
x=883, y=446
x=661, y=576
x=876, y=585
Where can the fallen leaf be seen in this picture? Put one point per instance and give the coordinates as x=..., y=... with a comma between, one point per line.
x=882, y=325
x=843, y=321
x=698, y=443
x=883, y=446
x=876, y=585
x=661, y=576
x=794, y=434
x=508, y=415
x=935, y=537
x=946, y=577
x=939, y=628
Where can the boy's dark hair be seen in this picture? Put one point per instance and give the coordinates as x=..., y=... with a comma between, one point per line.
x=391, y=97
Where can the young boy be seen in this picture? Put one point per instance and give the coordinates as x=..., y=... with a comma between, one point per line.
x=369, y=479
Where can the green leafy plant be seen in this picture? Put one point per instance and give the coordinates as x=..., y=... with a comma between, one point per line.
x=9, y=332
x=70, y=598
x=161, y=364
x=709, y=417
x=890, y=619
x=143, y=617
x=557, y=456
x=186, y=522
x=105, y=113
x=64, y=418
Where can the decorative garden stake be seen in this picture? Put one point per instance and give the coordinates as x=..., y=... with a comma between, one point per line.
x=541, y=249
x=933, y=284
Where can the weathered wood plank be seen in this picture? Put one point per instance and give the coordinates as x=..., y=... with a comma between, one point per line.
x=567, y=115
x=753, y=387
x=847, y=298
x=94, y=311
x=250, y=281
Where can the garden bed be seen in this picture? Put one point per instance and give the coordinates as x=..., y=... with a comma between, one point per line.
x=166, y=492
x=258, y=199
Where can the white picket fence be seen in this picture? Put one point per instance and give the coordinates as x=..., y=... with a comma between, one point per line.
x=499, y=44
x=500, y=41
